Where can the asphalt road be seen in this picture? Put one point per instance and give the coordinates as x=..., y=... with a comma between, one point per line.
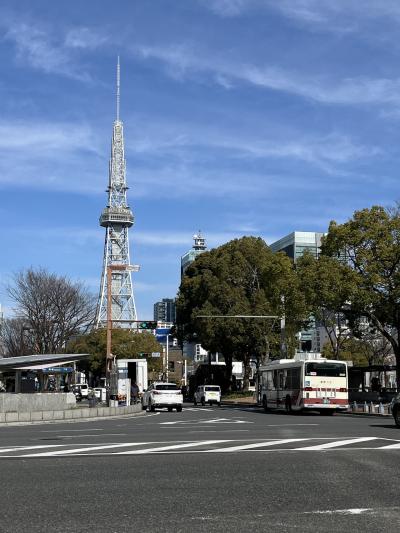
x=205, y=469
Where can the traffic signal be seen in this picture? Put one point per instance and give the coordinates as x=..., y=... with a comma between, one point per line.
x=146, y=324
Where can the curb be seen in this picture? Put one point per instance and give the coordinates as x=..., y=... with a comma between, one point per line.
x=72, y=420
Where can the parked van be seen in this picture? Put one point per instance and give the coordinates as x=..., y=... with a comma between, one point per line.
x=83, y=388
x=208, y=394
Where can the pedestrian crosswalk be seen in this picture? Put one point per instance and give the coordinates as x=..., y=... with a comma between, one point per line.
x=228, y=446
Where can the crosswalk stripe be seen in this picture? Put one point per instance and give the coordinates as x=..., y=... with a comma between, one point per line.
x=38, y=447
x=336, y=444
x=86, y=449
x=254, y=445
x=391, y=446
x=173, y=447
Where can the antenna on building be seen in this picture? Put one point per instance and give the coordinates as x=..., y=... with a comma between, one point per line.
x=199, y=241
x=118, y=84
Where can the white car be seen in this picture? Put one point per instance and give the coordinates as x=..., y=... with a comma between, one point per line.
x=207, y=394
x=161, y=394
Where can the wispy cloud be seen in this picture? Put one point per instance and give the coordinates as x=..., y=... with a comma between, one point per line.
x=41, y=51
x=347, y=91
x=85, y=38
x=343, y=16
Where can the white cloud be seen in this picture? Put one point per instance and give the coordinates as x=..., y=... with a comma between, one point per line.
x=85, y=38
x=346, y=91
x=227, y=8
x=38, y=49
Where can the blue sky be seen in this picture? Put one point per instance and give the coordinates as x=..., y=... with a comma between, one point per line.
x=241, y=117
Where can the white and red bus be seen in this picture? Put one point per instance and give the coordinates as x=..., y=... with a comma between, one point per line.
x=308, y=381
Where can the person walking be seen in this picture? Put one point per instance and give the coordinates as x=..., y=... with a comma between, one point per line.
x=134, y=393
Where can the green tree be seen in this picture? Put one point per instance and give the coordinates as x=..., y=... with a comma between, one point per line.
x=370, y=244
x=328, y=286
x=242, y=277
x=126, y=344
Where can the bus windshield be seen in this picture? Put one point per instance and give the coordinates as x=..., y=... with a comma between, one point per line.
x=334, y=370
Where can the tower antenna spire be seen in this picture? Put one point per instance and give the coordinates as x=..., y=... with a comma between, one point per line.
x=118, y=84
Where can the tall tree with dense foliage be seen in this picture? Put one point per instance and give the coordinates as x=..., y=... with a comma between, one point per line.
x=126, y=344
x=242, y=277
x=366, y=251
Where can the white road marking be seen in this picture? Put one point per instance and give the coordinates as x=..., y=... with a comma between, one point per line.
x=69, y=430
x=96, y=436
x=208, y=421
x=173, y=447
x=336, y=444
x=391, y=447
x=342, y=511
x=254, y=445
x=86, y=449
x=38, y=447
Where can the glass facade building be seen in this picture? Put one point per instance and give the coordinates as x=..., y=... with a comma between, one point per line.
x=295, y=244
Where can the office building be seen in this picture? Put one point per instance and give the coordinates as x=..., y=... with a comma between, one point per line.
x=199, y=247
x=165, y=311
x=296, y=243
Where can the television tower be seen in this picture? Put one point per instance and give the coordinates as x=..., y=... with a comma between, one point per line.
x=117, y=218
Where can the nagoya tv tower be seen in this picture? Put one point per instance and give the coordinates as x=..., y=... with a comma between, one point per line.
x=117, y=218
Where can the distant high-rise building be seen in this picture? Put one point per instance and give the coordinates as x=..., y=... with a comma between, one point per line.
x=296, y=243
x=165, y=311
x=199, y=247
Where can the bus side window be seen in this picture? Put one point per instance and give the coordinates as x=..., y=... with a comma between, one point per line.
x=289, y=373
x=281, y=379
x=275, y=379
x=270, y=381
x=295, y=378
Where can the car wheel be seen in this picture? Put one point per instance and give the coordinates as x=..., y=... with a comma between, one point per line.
x=170, y=409
x=396, y=416
x=178, y=408
x=203, y=402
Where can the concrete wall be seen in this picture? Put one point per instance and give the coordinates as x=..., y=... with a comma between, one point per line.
x=69, y=414
x=23, y=403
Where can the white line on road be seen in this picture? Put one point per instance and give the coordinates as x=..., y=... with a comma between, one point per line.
x=254, y=445
x=336, y=444
x=174, y=447
x=18, y=448
x=69, y=430
x=87, y=449
x=391, y=447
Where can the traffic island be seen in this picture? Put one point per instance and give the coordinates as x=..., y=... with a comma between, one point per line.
x=63, y=415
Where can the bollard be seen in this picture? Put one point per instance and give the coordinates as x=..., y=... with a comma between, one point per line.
x=354, y=408
x=365, y=407
x=371, y=408
x=381, y=409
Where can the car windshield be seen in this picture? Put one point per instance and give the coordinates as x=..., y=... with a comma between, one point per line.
x=167, y=386
x=334, y=370
x=213, y=388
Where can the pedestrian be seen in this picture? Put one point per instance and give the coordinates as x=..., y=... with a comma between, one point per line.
x=134, y=393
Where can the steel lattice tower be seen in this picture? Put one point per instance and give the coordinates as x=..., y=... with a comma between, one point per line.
x=117, y=218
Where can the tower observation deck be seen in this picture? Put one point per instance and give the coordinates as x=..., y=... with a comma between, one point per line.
x=117, y=218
